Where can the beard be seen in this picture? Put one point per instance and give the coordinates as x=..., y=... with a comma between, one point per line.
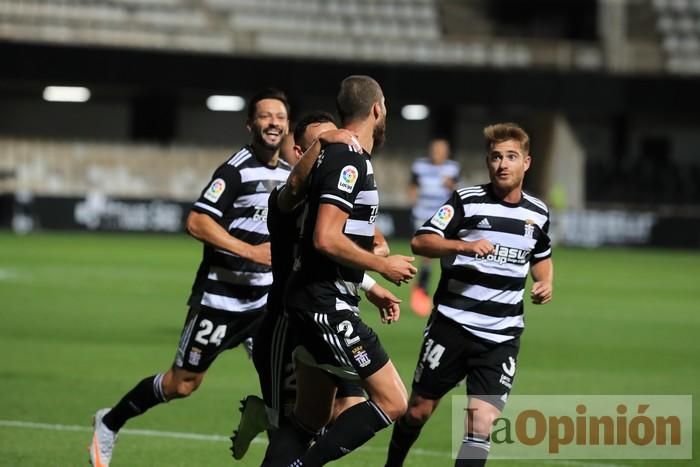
x=506, y=186
x=259, y=138
x=379, y=133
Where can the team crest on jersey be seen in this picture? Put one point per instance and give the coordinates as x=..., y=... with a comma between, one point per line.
x=215, y=190
x=529, y=228
x=348, y=178
x=443, y=216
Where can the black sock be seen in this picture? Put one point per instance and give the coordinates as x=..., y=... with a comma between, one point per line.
x=288, y=442
x=352, y=429
x=402, y=438
x=473, y=452
x=424, y=277
x=148, y=393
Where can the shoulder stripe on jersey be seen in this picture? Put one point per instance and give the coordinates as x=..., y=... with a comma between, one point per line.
x=535, y=201
x=242, y=156
x=471, y=188
x=241, y=152
x=206, y=207
x=337, y=198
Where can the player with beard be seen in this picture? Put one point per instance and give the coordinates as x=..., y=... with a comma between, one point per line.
x=322, y=297
x=230, y=289
x=272, y=353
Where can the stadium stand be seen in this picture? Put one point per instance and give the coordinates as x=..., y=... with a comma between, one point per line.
x=60, y=168
x=678, y=24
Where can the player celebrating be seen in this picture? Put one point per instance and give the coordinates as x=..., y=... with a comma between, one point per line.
x=432, y=181
x=273, y=351
x=322, y=298
x=488, y=238
x=230, y=289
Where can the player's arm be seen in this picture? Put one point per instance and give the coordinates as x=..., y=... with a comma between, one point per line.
x=386, y=302
x=380, y=246
x=543, y=276
x=433, y=245
x=541, y=267
x=330, y=240
x=207, y=230
x=204, y=220
x=437, y=237
x=295, y=188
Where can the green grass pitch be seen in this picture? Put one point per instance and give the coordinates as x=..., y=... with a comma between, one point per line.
x=84, y=317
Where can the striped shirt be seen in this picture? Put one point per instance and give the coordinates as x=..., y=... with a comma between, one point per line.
x=236, y=198
x=485, y=293
x=430, y=179
x=345, y=179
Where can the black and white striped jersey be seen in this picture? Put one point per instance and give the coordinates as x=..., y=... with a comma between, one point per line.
x=485, y=293
x=236, y=198
x=345, y=179
x=429, y=179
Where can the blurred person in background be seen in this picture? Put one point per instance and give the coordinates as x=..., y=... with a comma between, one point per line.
x=432, y=180
x=230, y=288
x=272, y=353
x=489, y=237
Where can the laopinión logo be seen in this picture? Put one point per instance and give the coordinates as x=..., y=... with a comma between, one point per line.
x=586, y=427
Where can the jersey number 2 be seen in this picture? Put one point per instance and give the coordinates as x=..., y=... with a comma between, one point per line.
x=346, y=328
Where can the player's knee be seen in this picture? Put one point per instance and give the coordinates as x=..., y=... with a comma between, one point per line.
x=482, y=423
x=418, y=414
x=395, y=407
x=180, y=388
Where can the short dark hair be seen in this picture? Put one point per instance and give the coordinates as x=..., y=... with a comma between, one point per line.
x=267, y=93
x=357, y=95
x=317, y=116
x=501, y=132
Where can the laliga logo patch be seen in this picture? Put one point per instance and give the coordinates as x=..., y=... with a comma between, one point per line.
x=215, y=190
x=348, y=177
x=443, y=217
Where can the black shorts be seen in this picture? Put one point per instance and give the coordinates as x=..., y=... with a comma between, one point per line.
x=272, y=356
x=209, y=332
x=337, y=341
x=450, y=353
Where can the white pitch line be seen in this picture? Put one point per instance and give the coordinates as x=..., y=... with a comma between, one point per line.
x=258, y=440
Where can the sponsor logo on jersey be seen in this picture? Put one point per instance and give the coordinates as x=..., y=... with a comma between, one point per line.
x=529, y=228
x=215, y=190
x=484, y=224
x=348, y=177
x=503, y=254
x=443, y=216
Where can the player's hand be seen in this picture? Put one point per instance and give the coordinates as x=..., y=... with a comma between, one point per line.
x=541, y=292
x=386, y=302
x=339, y=136
x=398, y=269
x=479, y=247
x=260, y=254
